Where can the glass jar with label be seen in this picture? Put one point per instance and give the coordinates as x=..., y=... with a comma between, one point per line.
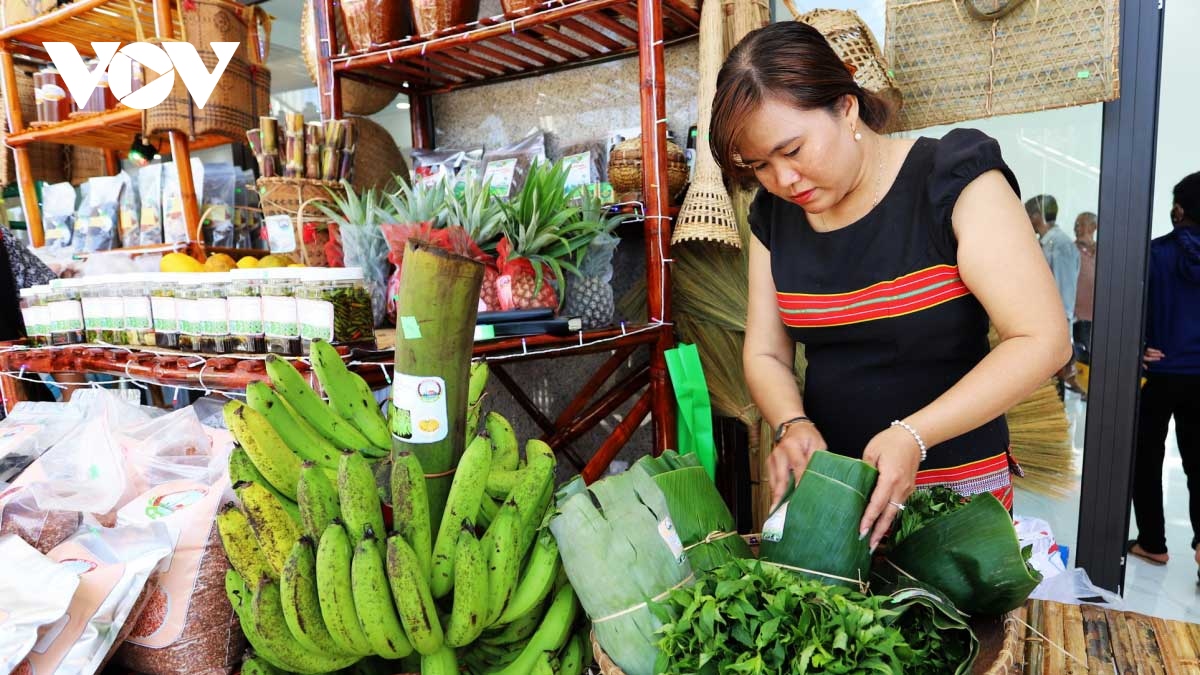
x=50, y=93
x=36, y=317
x=281, y=329
x=66, y=312
x=244, y=303
x=162, y=309
x=108, y=313
x=335, y=305
x=91, y=303
x=186, y=310
x=102, y=98
x=139, y=317
x=213, y=312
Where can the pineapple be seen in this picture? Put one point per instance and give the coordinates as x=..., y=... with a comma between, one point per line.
x=482, y=216
x=590, y=293
x=412, y=204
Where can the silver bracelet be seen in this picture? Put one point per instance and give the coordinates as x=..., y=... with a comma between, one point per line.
x=920, y=441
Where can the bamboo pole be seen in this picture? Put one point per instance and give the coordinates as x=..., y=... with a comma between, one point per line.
x=16, y=124
x=436, y=308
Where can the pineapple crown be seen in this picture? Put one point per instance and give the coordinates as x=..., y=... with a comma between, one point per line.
x=419, y=203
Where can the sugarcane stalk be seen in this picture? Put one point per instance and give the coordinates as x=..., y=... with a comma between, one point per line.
x=314, y=138
x=436, y=308
x=331, y=154
x=270, y=134
x=349, y=139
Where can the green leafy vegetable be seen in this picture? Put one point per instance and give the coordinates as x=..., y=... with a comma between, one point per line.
x=922, y=507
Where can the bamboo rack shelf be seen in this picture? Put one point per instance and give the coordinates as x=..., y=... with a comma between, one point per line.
x=553, y=36
x=79, y=23
x=559, y=35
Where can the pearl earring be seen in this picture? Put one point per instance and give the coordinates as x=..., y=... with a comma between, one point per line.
x=857, y=136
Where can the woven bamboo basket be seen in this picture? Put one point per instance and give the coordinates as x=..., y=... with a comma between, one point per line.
x=47, y=161
x=707, y=213
x=377, y=159
x=244, y=90
x=370, y=23
x=511, y=7
x=625, y=169
x=853, y=41
x=297, y=198
x=84, y=163
x=433, y=16
x=743, y=16
x=953, y=65
x=358, y=98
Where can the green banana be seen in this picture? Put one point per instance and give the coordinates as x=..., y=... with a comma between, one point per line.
x=462, y=506
x=290, y=384
x=515, y=632
x=441, y=662
x=335, y=592
x=253, y=664
x=538, y=448
x=318, y=500
x=537, y=580
x=532, y=496
x=500, y=544
x=358, y=496
x=273, y=527
x=239, y=597
x=410, y=590
x=500, y=482
x=373, y=600
x=301, y=438
x=242, y=470
x=477, y=382
x=410, y=507
x=470, y=591
x=488, y=508
x=266, y=619
x=542, y=666
x=570, y=660
x=270, y=455
x=472, y=425
x=550, y=636
x=301, y=601
x=505, y=455
x=241, y=547
x=349, y=395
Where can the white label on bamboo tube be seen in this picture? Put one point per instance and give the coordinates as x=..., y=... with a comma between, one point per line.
x=773, y=528
x=666, y=529
x=315, y=318
x=419, y=409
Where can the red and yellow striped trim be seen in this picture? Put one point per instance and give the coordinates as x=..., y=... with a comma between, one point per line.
x=905, y=295
x=993, y=474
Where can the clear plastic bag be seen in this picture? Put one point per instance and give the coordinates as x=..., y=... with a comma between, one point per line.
x=367, y=248
x=150, y=218
x=174, y=223
x=58, y=215
x=220, y=195
x=127, y=216
x=505, y=168
x=96, y=224
x=454, y=166
x=37, y=592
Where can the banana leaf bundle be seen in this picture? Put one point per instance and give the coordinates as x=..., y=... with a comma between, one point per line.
x=701, y=517
x=941, y=640
x=970, y=553
x=620, y=551
x=814, y=530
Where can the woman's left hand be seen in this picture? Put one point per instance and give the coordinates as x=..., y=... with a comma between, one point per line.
x=895, y=453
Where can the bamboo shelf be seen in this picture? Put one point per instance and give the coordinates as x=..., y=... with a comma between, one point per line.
x=113, y=130
x=553, y=36
x=83, y=21
x=560, y=35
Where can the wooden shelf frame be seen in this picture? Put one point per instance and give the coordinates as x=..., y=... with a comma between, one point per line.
x=560, y=34
x=79, y=23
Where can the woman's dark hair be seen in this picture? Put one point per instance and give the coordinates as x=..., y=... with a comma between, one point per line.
x=790, y=61
x=1187, y=196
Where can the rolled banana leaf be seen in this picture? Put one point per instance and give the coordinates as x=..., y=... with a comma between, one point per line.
x=934, y=629
x=620, y=551
x=814, y=531
x=971, y=555
x=701, y=517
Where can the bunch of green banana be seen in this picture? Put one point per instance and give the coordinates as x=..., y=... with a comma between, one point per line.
x=349, y=395
x=304, y=402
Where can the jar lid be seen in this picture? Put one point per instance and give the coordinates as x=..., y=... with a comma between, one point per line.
x=248, y=274
x=276, y=273
x=28, y=292
x=339, y=273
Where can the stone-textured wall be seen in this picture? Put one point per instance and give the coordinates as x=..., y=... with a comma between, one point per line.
x=573, y=106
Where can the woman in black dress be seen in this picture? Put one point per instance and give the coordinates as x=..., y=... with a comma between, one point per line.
x=886, y=258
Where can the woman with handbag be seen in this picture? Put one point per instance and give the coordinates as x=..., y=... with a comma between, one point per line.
x=886, y=258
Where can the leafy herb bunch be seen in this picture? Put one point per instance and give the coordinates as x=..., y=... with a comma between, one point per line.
x=747, y=617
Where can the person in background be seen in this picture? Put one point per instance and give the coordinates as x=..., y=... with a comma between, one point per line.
x=19, y=268
x=1057, y=247
x=1172, y=386
x=1085, y=291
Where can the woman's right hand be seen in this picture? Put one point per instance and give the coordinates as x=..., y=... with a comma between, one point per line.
x=790, y=457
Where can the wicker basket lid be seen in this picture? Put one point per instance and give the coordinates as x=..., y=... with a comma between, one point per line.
x=630, y=150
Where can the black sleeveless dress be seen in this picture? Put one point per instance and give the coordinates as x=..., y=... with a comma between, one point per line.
x=887, y=323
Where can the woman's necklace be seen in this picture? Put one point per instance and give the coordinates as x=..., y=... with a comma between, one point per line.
x=878, y=185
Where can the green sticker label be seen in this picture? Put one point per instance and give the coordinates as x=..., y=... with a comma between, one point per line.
x=410, y=327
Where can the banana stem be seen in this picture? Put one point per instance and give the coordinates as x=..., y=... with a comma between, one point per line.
x=437, y=305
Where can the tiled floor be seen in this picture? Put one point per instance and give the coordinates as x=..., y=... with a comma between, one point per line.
x=1170, y=592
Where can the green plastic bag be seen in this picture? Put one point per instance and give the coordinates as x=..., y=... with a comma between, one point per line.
x=693, y=406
